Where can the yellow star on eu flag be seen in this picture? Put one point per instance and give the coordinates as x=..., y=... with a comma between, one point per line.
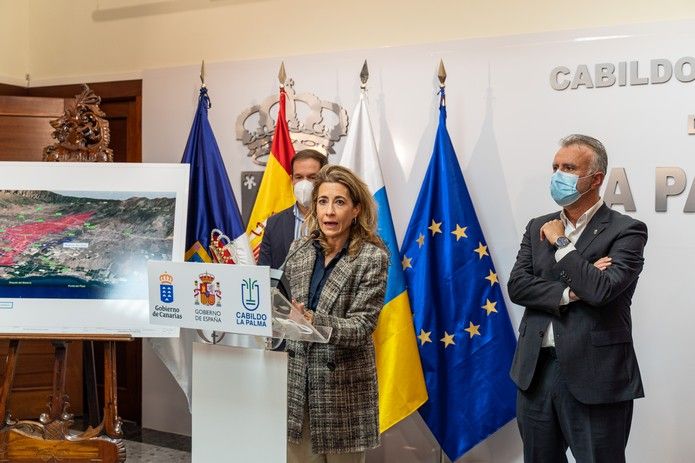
x=448, y=339
x=489, y=306
x=492, y=277
x=435, y=227
x=460, y=232
x=481, y=250
x=420, y=240
x=406, y=262
x=424, y=336
x=472, y=329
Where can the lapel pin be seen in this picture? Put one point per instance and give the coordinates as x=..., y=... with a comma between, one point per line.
x=595, y=231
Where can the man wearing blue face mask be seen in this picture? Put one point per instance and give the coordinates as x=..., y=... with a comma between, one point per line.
x=575, y=274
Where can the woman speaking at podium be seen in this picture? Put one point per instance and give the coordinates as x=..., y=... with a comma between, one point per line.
x=337, y=276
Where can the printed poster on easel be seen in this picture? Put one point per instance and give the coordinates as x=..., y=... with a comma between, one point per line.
x=75, y=239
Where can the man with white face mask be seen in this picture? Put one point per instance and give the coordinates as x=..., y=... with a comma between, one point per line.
x=575, y=274
x=288, y=225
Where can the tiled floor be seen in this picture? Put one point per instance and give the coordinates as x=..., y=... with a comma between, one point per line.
x=149, y=446
x=138, y=452
x=168, y=440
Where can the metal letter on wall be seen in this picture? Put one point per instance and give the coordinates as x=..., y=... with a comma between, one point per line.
x=664, y=187
x=680, y=66
x=690, y=202
x=605, y=75
x=555, y=82
x=617, y=180
x=661, y=71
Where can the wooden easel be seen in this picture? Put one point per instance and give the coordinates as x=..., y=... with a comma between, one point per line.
x=49, y=439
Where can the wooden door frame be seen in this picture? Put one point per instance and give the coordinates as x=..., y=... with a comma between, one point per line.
x=128, y=91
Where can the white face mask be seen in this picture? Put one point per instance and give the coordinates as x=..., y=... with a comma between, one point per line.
x=302, y=192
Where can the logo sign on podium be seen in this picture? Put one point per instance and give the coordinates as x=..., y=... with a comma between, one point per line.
x=219, y=297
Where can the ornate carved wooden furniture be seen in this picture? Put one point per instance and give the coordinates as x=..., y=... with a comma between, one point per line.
x=50, y=439
x=82, y=133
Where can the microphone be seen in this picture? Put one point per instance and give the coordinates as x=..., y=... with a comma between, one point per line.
x=277, y=275
x=315, y=234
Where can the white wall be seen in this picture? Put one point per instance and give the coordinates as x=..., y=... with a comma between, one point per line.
x=14, y=41
x=504, y=121
x=87, y=40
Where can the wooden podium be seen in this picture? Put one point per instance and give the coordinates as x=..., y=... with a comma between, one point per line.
x=50, y=439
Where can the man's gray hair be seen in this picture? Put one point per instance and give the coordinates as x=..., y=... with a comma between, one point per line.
x=599, y=162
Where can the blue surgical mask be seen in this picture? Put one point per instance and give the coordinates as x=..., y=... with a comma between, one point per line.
x=563, y=188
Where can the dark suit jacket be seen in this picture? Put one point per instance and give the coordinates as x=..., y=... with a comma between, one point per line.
x=593, y=336
x=277, y=238
x=337, y=380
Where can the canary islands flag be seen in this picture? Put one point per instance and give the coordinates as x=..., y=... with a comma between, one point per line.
x=275, y=191
x=399, y=373
x=465, y=337
x=215, y=231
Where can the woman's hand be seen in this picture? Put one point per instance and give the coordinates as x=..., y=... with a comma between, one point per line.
x=297, y=312
x=300, y=312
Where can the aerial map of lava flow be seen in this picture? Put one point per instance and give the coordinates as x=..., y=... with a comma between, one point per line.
x=91, y=245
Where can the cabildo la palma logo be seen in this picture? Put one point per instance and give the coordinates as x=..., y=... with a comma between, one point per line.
x=250, y=300
x=250, y=296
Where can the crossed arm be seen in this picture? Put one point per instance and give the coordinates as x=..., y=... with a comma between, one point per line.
x=596, y=287
x=595, y=283
x=529, y=290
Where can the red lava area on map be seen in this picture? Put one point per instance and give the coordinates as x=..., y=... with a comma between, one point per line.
x=22, y=236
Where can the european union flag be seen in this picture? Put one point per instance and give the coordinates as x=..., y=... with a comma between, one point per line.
x=465, y=337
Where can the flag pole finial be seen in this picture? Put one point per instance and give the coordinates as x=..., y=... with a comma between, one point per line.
x=282, y=75
x=364, y=75
x=202, y=74
x=441, y=74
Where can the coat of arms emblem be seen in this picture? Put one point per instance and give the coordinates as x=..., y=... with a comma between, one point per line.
x=206, y=291
x=166, y=288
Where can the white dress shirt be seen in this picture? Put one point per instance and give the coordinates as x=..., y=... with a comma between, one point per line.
x=572, y=232
x=299, y=228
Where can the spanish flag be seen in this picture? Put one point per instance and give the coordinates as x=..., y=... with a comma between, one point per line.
x=275, y=193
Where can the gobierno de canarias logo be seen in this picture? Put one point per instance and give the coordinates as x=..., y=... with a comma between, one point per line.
x=166, y=288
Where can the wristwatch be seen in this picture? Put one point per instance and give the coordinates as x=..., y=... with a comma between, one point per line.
x=561, y=242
